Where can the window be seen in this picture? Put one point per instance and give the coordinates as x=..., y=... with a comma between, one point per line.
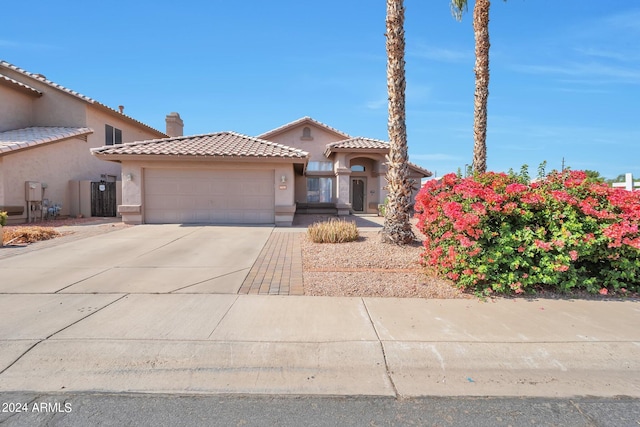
x=320, y=166
x=357, y=168
x=112, y=135
x=306, y=133
x=319, y=190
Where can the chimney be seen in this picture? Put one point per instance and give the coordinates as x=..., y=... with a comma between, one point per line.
x=175, y=125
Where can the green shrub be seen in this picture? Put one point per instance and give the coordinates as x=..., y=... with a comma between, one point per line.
x=333, y=231
x=500, y=233
x=3, y=218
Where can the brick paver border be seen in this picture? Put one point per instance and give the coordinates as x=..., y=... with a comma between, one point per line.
x=278, y=268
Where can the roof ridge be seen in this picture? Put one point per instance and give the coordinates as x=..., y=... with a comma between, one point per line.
x=301, y=120
x=240, y=140
x=275, y=144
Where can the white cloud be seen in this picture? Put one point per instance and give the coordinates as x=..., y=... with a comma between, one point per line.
x=436, y=53
x=24, y=45
x=377, y=104
x=435, y=157
x=607, y=54
x=593, y=70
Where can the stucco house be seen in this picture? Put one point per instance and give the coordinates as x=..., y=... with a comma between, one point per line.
x=228, y=177
x=46, y=133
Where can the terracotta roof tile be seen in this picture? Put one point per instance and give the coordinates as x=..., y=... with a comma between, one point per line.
x=358, y=143
x=221, y=144
x=361, y=143
x=21, y=85
x=18, y=139
x=301, y=120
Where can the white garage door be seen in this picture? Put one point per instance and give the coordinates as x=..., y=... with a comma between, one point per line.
x=188, y=196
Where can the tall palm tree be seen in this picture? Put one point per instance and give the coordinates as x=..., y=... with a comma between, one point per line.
x=397, y=225
x=481, y=32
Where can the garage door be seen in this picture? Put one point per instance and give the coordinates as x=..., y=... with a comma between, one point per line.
x=188, y=196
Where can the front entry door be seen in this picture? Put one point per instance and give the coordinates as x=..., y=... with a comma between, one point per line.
x=357, y=195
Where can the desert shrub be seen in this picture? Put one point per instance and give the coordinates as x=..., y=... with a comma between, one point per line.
x=3, y=218
x=496, y=233
x=27, y=234
x=333, y=231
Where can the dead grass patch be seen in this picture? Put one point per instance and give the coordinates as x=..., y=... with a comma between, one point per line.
x=333, y=231
x=27, y=234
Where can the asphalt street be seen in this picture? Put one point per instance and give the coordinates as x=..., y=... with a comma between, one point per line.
x=91, y=409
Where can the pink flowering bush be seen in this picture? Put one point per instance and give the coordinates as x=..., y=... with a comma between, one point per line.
x=498, y=233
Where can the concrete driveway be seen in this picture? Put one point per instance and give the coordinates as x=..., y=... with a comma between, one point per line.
x=142, y=259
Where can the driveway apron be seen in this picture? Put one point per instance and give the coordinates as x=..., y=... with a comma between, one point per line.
x=142, y=259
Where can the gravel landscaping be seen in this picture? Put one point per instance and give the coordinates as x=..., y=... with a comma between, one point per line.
x=368, y=268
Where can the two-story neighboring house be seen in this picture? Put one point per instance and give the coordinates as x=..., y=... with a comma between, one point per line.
x=227, y=177
x=46, y=133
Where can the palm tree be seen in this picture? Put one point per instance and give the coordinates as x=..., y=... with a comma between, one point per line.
x=397, y=226
x=481, y=32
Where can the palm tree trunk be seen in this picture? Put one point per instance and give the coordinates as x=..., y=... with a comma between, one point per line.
x=481, y=31
x=397, y=225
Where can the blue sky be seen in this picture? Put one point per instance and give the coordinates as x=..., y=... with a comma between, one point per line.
x=565, y=76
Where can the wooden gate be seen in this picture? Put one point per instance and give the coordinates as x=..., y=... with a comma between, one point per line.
x=103, y=198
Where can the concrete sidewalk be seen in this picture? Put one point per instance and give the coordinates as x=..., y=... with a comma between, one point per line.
x=199, y=343
x=132, y=312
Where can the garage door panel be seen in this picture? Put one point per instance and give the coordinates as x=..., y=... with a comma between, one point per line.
x=206, y=196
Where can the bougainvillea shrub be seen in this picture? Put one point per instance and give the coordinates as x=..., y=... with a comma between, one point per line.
x=498, y=233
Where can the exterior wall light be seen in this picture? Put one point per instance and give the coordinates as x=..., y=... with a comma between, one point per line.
x=128, y=177
x=283, y=179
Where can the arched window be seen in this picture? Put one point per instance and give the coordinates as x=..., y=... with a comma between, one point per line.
x=357, y=168
x=306, y=133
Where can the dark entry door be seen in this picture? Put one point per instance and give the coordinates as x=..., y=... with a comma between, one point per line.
x=103, y=198
x=357, y=195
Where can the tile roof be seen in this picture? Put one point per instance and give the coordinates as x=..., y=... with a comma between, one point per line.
x=305, y=119
x=23, y=86
x=361, y=143
x=426, y=172
x=220, y=144
x=19, y=139
x=358, y=143
x=78, y=95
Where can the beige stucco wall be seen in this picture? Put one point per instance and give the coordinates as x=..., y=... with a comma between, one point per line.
x=60, y=162
x=16, y=109
x=54, y=107
x=97, y=118
x=2, y=168
x=315, y=147
x=132, y=207
x=53, y=164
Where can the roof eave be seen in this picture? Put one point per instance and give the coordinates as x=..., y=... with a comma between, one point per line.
x=427, y=173
x=331, y=150
x=7, y=150
x=128, y=119
x=20, y=87
x=192, y=158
